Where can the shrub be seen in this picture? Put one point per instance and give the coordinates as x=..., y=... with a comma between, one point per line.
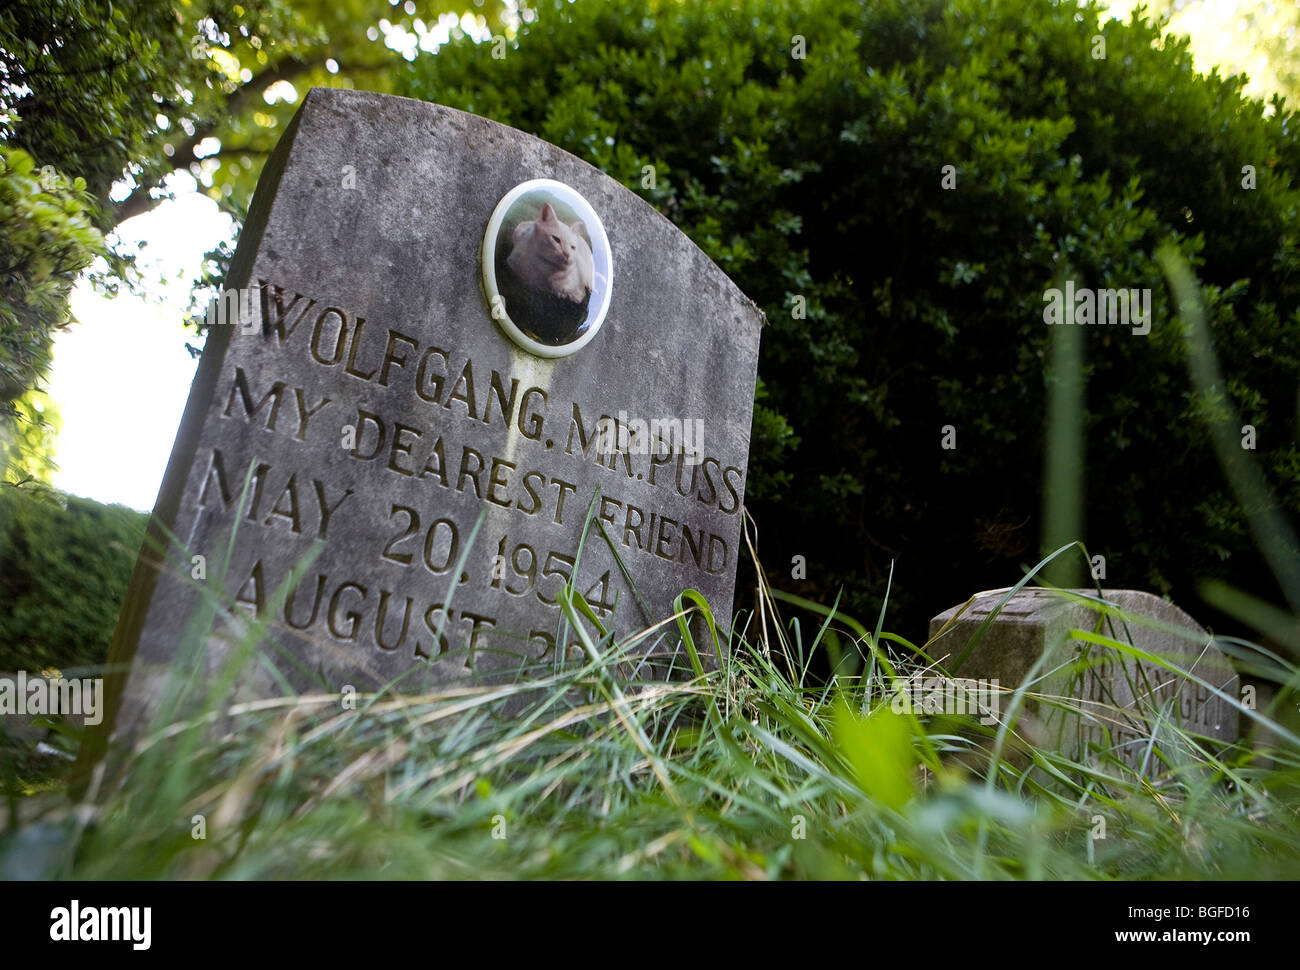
x=820, y=177
x=63, y=575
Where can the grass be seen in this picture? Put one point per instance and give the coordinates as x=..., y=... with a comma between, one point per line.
x=754, y=769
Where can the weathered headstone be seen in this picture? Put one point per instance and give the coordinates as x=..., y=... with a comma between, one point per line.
x=386, y=378
x=1112, y=693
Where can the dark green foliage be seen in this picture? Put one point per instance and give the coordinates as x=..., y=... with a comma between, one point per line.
x=82, y=76
x=100, y=86
x=93, y=91
x=820, y=177
x=63, y=576
x=46, y=240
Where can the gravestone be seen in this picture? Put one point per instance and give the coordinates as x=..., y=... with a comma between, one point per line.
x=375, y=387
x=1112, y=693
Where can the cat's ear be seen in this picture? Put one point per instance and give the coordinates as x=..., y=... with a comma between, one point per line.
x=547, y=214
x=581, y=230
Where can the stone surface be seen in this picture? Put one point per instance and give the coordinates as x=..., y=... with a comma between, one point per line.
x=363, y=253
x=1111, y=692
x=25, y=719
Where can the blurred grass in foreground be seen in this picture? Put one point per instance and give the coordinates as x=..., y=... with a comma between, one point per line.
x=715, y=776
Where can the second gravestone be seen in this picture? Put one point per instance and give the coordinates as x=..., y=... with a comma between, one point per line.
x=1094, y=697
x=434, y=322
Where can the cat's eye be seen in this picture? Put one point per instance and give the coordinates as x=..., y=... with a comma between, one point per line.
x=556, y=238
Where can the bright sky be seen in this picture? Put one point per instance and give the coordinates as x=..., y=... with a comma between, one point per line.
x=121, y=377
x=1218, y=30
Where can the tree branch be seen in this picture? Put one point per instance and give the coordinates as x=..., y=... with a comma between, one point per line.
x=140, y=200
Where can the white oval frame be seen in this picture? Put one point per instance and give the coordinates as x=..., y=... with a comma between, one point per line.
x=487, y=258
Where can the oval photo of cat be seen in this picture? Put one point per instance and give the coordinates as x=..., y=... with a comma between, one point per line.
x=547, y=268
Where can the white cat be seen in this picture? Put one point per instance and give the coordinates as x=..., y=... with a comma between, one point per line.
x=553, y=257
